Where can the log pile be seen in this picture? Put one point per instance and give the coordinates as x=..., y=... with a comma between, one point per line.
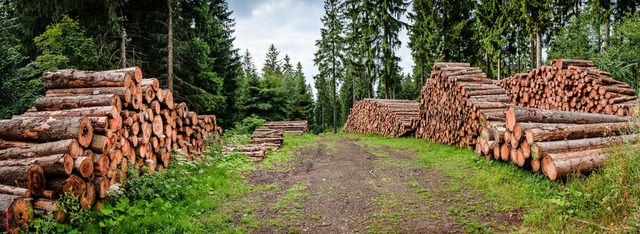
x=387, y=117
x=83, y=136
x=291, y=127
x=571, y=85
x=457, y=101
x=557, y=143
x=262, y=140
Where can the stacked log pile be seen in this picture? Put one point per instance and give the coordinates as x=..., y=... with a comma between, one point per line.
x=291, y=127
x=387, y=117
x=571, y=85
x=557, y=143
x=262, y=140
x=83, y=135
x=457, y=101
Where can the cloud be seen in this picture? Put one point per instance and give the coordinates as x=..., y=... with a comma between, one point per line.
x=292, y=26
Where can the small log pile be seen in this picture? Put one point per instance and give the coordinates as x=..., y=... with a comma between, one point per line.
x=290, y=127
x=83, y=136
x=557, y=143
x=387, y=117
x=457, y=100
x=262, y=140
x=571, y=85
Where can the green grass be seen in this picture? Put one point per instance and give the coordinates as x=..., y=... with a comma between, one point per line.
x=607, y=200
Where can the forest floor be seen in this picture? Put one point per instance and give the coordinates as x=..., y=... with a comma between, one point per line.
x=351, y=183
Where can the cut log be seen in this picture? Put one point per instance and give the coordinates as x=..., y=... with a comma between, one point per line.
x=70, y=147
x=70, y=78
x=46, y=129
x=550, y=116
x=100, y=111
x=53, y=165
x=16, y=212
x=74, y=102
x=567, y=132
x=16, y=191
x=560, y=165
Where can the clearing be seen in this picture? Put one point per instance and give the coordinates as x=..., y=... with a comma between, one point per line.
x=349, y=183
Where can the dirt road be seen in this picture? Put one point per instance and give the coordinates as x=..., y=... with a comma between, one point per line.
x=341, y=185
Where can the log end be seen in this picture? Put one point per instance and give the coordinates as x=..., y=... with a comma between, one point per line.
x=85, y=132
x=18, y=214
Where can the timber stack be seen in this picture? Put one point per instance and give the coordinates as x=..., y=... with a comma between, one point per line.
x=457, y=101
x=571, y=85
x=290, y=127
x=557, y=143
x=83, y=135
x=387, y=117
x=262, y=140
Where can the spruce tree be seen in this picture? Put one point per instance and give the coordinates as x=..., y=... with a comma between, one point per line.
x=328, y=57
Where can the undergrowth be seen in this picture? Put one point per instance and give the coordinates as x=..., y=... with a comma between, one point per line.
x=170, y=201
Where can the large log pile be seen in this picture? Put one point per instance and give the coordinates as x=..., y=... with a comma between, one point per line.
x=387, y=117
x=555, y=142
x=292, y=127
x=571, y=85
x=83, y=135
x=457, y=100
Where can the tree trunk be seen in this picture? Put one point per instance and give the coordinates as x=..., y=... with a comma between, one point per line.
x=30, y=177
x=70, y=147
x=64, y=103
x=538, y=48
x=170, y=48
x=52, y=165
x=520, y=114
x=98, y=111
x=571, y=132
x=13, y=144
x=123, y=41
x=16, y=191
x=124, y=93
x=70, y=78
x=43, y=129
x=16, y=212
x=560, y=165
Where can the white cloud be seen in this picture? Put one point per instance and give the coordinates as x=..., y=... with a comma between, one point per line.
x=292, y=26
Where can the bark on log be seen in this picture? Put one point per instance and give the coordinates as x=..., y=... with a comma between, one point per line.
x=71, y=147
x=46, y=129
x=100, y=111
x=560, y=165
x=70, y=78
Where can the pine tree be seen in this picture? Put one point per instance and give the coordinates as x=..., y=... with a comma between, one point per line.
x=388, y=19
x=328, y=57
x=537, y=14
x=272, y=63
x=423, y=38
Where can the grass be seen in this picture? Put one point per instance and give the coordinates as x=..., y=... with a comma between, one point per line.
x=208, y=196
x=607, y=200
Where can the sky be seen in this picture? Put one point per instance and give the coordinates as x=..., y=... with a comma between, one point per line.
x=292, y=26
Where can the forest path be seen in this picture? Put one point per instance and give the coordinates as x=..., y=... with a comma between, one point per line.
x=345, y=185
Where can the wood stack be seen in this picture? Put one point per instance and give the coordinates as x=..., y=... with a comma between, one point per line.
x=457, y=101
x=83, y=135
x=556, y=142
x=387, y=117
x=290, y=127
x=262, y=140
x=571, y=85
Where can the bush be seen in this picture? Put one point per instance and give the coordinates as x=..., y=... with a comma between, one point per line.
x=247, y=125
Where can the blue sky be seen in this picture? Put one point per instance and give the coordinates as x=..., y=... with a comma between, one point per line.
x=292, y=26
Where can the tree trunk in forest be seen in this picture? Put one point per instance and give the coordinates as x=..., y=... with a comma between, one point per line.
x=538, y=48
x=170, y=49
x=123, y=41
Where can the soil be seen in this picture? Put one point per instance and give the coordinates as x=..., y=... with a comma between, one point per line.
x=344, y=188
